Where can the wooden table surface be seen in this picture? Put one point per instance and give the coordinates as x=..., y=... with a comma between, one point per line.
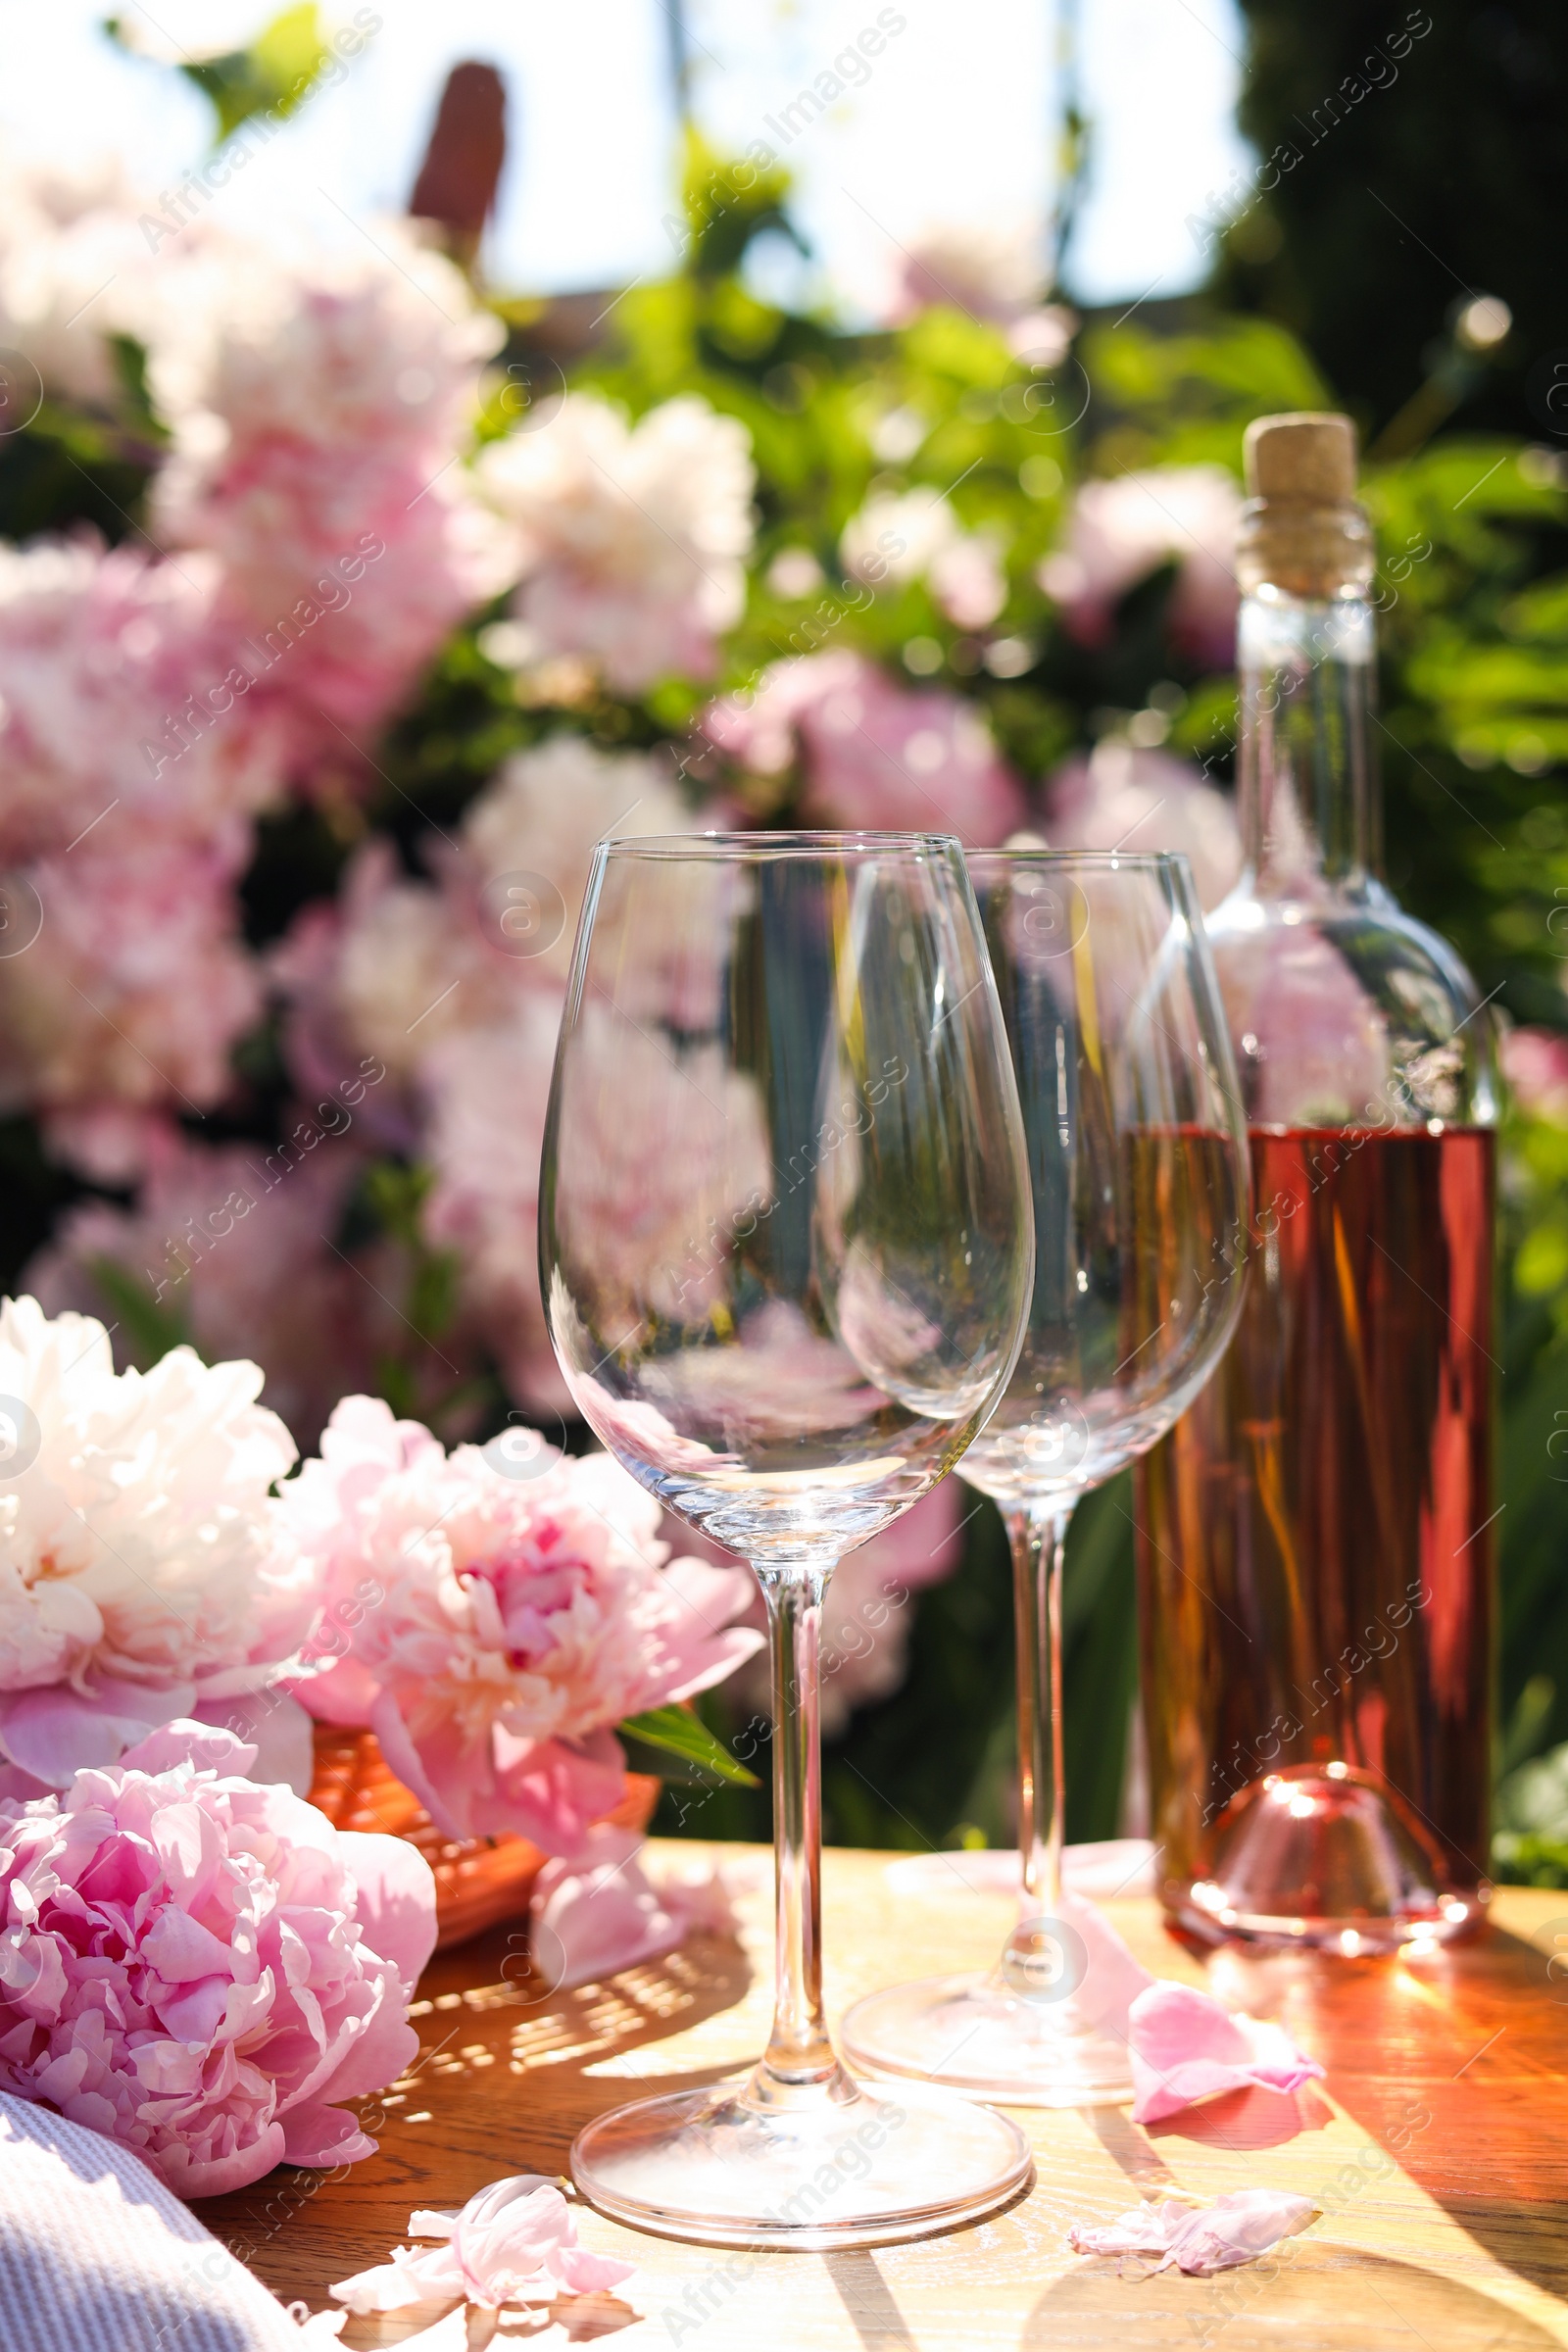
x=1458, y=2061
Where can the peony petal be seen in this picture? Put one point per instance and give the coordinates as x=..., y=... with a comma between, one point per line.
x=57, y=1732
x=551, y=1790
x=398, y=1747
x=396, y=1905
x=1112, y=1980
x=205, y=1745
x=597, y=1913
x=325, y=2135
x=346, y=1694
x=274, y=1725
x=1185, y=2047
x=583, y=2273
x=1235, y=2229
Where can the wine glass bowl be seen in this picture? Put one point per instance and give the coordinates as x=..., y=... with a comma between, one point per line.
x=1130, y=1123
x=786, y=1246
x=1138, y=1163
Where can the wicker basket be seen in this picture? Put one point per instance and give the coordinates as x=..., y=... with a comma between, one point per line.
x=479, y=1881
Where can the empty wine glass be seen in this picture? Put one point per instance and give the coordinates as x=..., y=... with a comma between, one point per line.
x=786, y=1246
x=1137, y=1158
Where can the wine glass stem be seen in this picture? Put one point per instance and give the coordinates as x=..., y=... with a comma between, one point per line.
x=1039, y=1538
x=798, y=2050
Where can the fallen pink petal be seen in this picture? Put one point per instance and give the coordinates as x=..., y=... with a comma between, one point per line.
x=1186, y=2048
x=513, y=2242
x=1235, y=2229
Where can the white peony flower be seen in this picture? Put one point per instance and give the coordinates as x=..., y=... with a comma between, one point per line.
x=144, y=1568
x=630, y=540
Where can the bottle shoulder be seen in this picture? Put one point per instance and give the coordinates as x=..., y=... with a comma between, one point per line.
x=1342, y=1006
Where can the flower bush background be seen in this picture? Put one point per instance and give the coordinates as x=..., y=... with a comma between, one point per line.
x=343, y=606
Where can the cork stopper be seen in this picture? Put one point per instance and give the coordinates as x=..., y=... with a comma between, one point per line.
x=1302, y=530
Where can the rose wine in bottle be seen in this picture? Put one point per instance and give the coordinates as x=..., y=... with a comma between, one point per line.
x=1315, y=1537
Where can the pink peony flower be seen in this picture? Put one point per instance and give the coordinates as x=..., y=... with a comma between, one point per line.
x=630, y=540
x=663, y=1149
x=1120, y=531
x=513, y=2242
x=1312, y=1042
x=135, y=986
x=200, y=1968
x=235, y=1242
x=1535, y=1063
x=1145, y=799
x=319, y=404
x=101, y=652
x=146, y=1568
x=488, y=1091
x=522, y=1618
x=876, y=756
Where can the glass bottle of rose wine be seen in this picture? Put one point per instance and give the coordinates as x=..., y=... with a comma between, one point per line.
x=1315, y=1537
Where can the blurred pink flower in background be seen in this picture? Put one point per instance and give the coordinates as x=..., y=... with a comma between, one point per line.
x=1119, y=531
x=487, y=1090
x=1535, y=1063
x=320, y=402
x=100, y=651
x=147, y=1570
x=1312, y=1044
x=235, y=1243
x=522, y=1616
x=131, y=995
x=661, y=1150
x=877, y=755
x=1145, y=799
x=629, y=539
x=200, y=1968
x=539, y=821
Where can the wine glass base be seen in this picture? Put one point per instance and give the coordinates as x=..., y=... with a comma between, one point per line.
x=971, y=2034
x=858, y=2165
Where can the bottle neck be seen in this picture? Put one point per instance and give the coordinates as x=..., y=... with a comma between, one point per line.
x=1307, y=783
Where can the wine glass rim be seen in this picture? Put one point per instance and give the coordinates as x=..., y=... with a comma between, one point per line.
x=1108, y=861
x=720, y=844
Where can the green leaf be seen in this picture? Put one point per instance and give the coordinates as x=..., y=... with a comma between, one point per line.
x=273, y=76
x=681, y=1733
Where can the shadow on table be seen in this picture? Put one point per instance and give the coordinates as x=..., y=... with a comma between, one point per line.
x=501, y=2085
x=1311, y=2294
x=1455, y=2063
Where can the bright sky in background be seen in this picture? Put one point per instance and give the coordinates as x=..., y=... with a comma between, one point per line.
x=953, y=125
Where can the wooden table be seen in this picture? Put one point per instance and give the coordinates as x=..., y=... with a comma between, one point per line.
x=1460, y=2061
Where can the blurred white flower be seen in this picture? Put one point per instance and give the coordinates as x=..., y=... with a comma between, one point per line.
x=915, y=535
x=630, y=541
x=992, y=272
